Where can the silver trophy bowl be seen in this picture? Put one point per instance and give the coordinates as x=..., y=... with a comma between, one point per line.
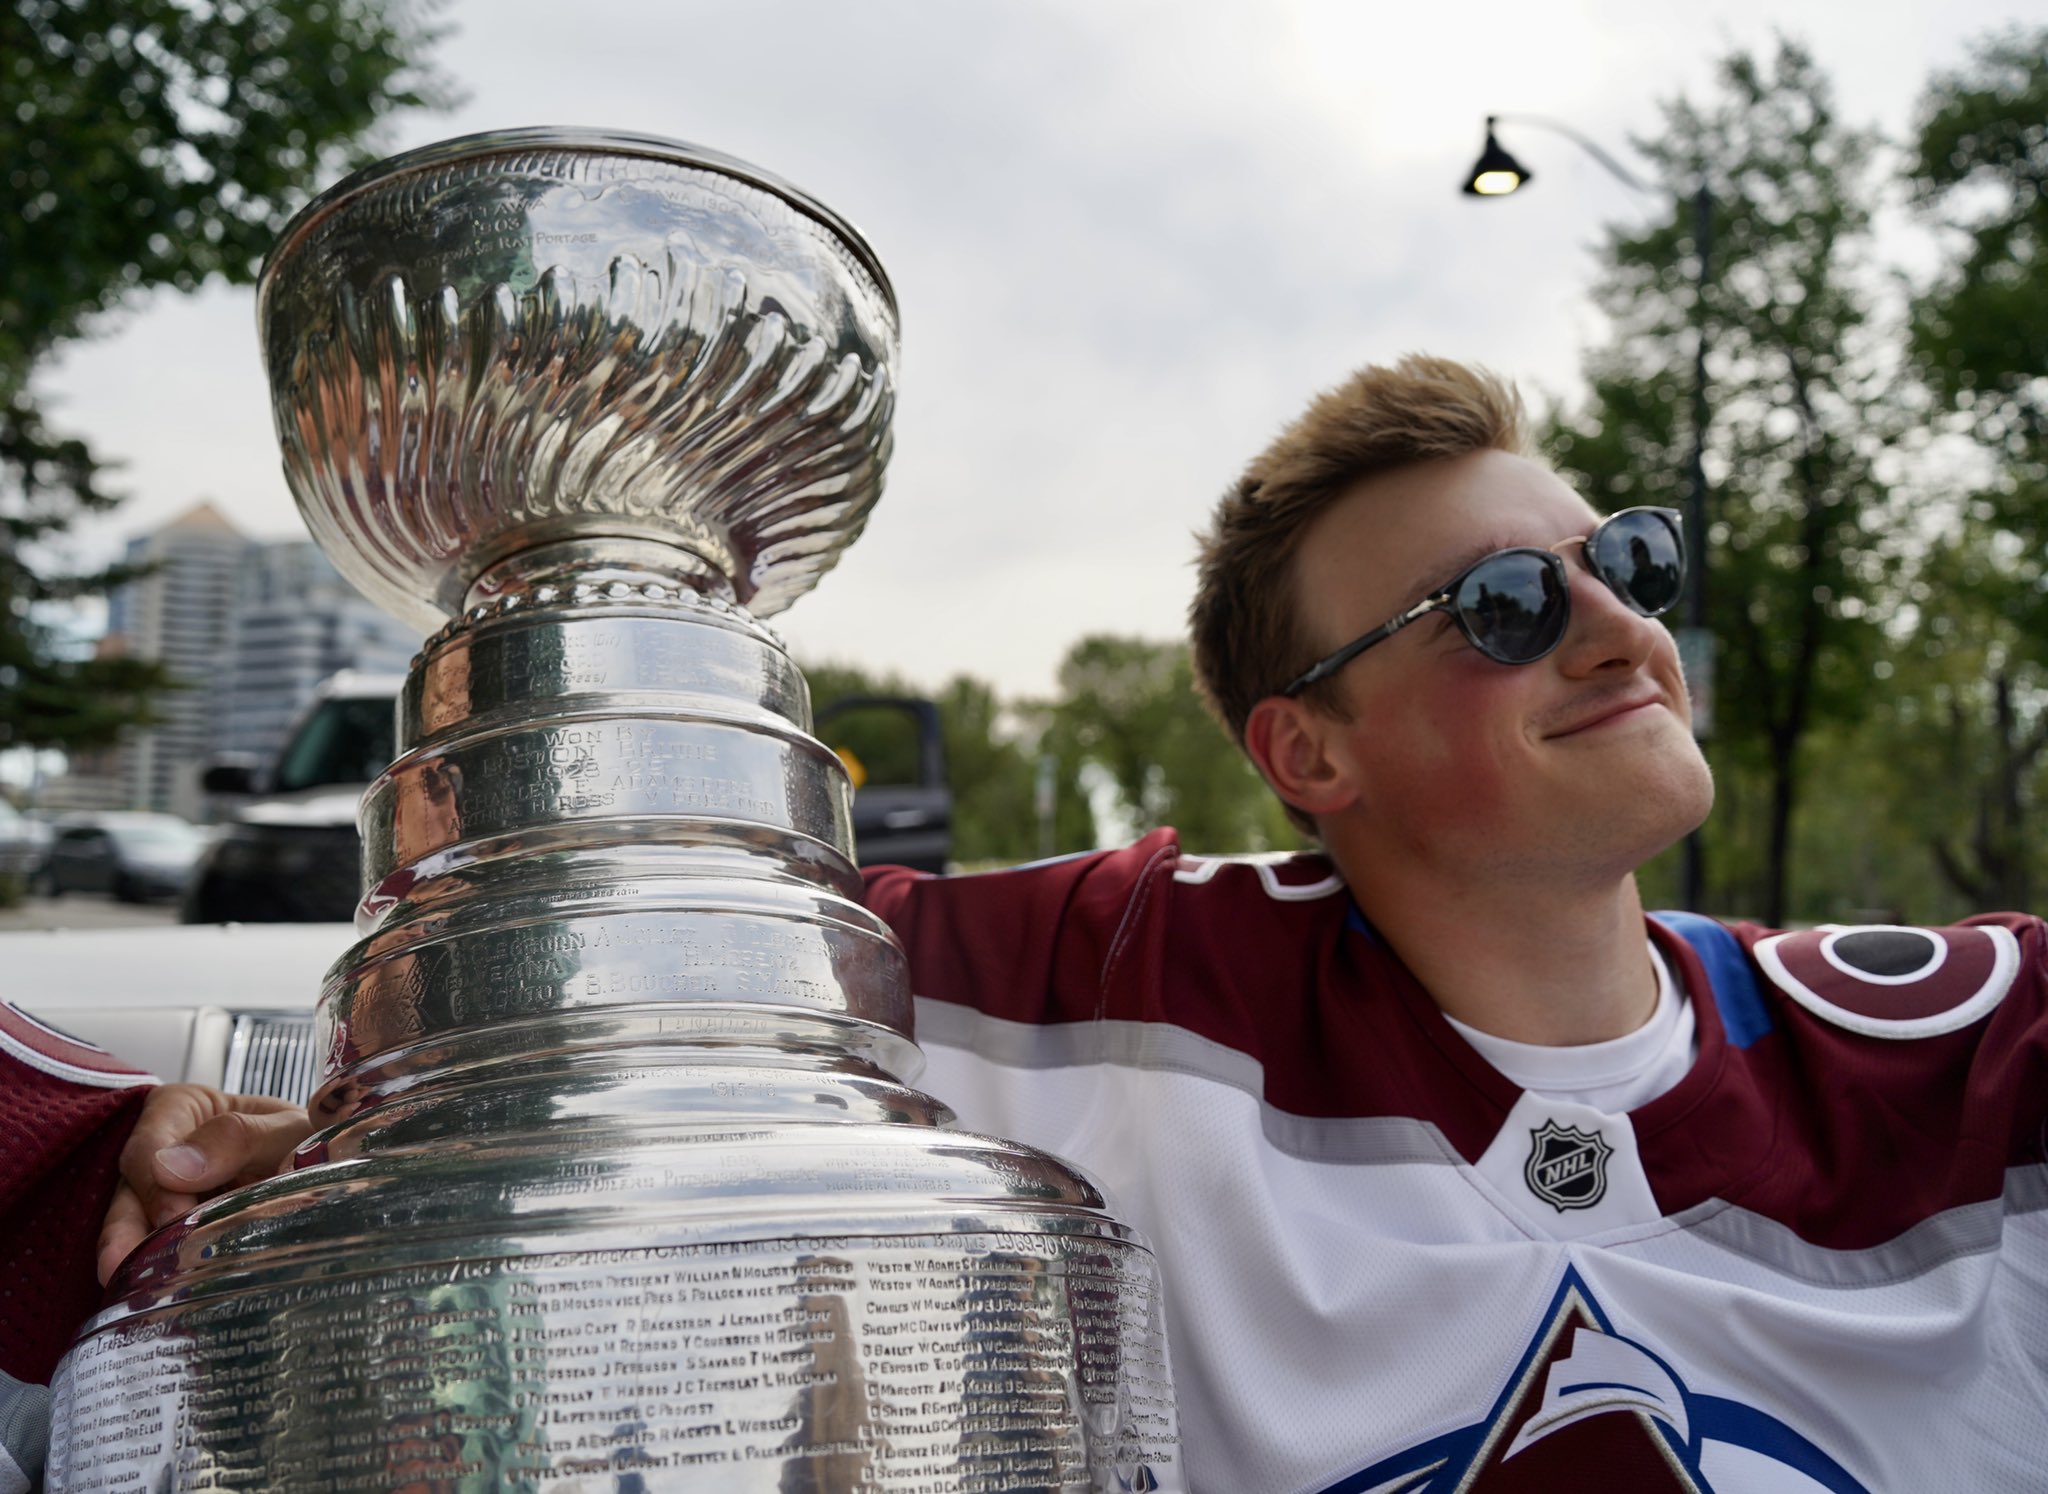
x=619, y=1183
x=494, y=344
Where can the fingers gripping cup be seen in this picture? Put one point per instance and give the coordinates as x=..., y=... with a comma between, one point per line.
x=619, y=1183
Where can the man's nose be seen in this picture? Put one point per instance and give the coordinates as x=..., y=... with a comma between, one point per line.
x=1604, y=631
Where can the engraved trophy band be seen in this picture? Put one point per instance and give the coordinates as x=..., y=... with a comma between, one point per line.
x=618, y=1182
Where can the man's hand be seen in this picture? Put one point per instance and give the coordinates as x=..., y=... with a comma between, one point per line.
x=188, y=1143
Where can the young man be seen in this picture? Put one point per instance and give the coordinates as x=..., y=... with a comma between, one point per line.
x=1462, y=1174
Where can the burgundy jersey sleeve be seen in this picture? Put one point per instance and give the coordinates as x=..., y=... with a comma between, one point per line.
x=66, y=1109
x=2005, y=1091
x=1056, y=941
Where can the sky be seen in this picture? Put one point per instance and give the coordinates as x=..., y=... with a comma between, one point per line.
x=1129, y=240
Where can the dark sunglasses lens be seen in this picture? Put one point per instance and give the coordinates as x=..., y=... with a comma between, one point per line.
x=1640, y=556
x=1513, y=606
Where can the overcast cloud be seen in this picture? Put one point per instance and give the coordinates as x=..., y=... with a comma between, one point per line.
x=1129, y=239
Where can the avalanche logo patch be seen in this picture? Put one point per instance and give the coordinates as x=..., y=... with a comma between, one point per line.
x=1567, y=1167
x=1888, y=981
x=1589, y=1409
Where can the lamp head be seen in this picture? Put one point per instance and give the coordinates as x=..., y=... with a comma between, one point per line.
x=1495, y=173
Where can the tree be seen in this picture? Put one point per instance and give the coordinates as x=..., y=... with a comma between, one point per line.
x=1796, y=551
x=1971, y=719
x=991, y=762
x=1129, y=706
x=148, y=143
x=1979, y=345
x=1127, y=712
x=998, y=762
x=1980, y=167
x=47, y=698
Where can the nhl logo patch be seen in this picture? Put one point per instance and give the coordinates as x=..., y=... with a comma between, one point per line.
x=1567, y=1167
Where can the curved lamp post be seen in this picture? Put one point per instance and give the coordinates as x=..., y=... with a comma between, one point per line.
x=1496, y=174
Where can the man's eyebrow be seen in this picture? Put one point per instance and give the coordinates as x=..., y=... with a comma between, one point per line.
x=1441, y=571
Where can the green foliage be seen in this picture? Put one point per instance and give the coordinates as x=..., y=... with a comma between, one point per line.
x=1797, y=549
x=991, y=762
x=1127, y=710
x=1919, y=808
x=1966, y=739
x=161, y=142
x=148, y=143
x=1980, y=165
x=1974, y=663
x=999, y=821
x=47, y=697
x=1130, y=707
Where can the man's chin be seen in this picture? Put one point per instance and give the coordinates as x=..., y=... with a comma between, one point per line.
x=1652, y=802
x=1687, y=798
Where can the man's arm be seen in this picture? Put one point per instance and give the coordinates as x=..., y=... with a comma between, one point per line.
x=1054, y=941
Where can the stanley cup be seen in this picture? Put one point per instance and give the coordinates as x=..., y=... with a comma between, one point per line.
x=618, y=1183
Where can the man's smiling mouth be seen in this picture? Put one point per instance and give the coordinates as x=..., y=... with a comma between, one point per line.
x=1613, y=708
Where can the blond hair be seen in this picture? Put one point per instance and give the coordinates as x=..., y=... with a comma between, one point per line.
x=1246, y=630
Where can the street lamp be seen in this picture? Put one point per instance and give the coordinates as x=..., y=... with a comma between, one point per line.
x=1496, y=174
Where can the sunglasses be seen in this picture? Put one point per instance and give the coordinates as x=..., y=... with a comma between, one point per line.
x=1514, y=605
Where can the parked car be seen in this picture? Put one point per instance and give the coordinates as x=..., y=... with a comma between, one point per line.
x=134, y=855
x=291, y=854
x=230, y=1007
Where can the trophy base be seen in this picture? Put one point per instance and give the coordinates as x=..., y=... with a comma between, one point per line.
x=737, y=1309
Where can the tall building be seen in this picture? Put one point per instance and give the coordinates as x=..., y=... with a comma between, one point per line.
x=295, y=623
x=180, y=613
x=249, y=628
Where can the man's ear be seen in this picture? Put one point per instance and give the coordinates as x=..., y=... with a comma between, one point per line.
x=1288, y=741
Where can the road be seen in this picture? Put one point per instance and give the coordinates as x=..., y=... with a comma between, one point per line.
x=81, y=910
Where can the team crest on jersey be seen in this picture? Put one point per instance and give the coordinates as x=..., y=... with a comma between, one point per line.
x=1887, y=981
x=1588, y=1408
x=1567, y=1167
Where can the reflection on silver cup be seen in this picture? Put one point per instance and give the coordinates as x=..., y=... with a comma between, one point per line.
x=619, y=1183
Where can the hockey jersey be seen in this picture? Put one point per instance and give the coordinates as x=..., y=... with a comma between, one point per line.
x=1818, y=1263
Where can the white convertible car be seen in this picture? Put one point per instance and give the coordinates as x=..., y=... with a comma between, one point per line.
x=227, y=1005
